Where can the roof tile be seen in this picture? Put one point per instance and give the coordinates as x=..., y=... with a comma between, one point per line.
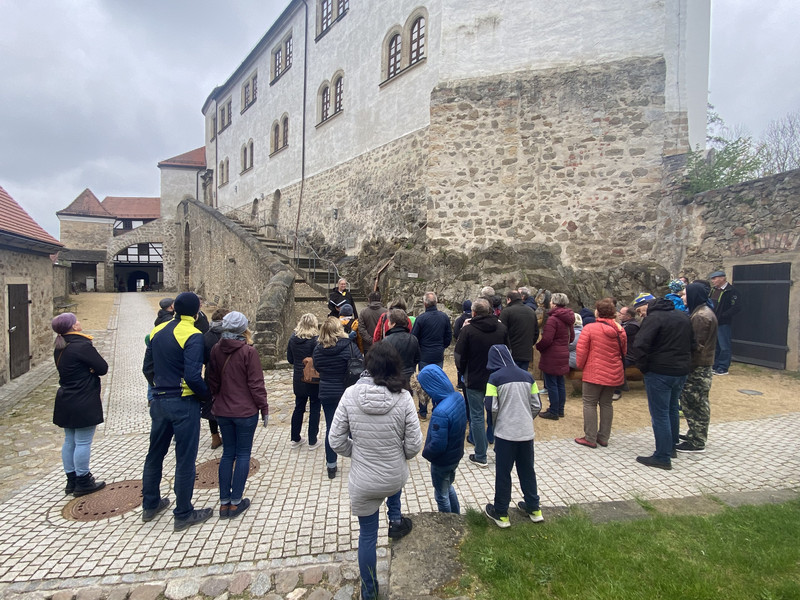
x=86, y=205
x=132, y=207
x=14, y=220
x=193, y=158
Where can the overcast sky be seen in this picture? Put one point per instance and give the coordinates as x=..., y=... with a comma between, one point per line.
x=96, y=92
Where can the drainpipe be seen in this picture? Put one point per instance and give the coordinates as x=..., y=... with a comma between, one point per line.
x=303, y=140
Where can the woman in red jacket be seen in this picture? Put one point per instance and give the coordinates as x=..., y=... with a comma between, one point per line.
x=236, y=380
x=557, y=334
x=601, y=350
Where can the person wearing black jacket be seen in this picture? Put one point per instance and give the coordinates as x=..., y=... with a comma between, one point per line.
x=726, y=306
x=663, y=351
x=523, y=329
x=301, y=346
x=471, y=355
x=165, y=312
x=338, y=297
x=78, y=408
x=407, y=345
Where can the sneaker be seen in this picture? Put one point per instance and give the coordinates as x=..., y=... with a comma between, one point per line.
x=316, y=445
x=584, y=442
x=548, y=415
x=720, y=372
x=501, y=521
x=616, y=396
x=535, y=515
x=148, y=514
x=400, y=528
x=687, y=447
x=197, y=517
x=298, y=443
x=237, y=509
x=683, y=437
x=331, y=472
x=475, y=461
x=649, y=461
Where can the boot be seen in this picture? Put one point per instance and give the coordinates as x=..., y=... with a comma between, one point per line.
x=86, y=484
x=70, y=483
x=216, y=441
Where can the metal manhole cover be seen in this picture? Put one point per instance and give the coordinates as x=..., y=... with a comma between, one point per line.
x=115, y=499
x=207, y=473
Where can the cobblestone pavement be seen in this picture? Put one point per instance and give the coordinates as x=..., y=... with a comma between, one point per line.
x=298, y=536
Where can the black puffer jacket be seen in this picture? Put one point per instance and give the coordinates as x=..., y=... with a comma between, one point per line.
x=298, y=349
x=472, y=349
x=665, y=340
x=332, y=366
x=523, y=329
x=406, y=345
x=80, y=366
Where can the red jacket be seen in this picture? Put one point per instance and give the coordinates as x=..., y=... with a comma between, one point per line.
x=598, y=352
x=238, y=391
x=557, y=333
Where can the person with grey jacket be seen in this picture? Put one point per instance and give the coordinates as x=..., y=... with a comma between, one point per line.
x=376, y=426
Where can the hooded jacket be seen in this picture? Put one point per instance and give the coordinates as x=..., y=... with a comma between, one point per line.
x=298, y=349
x=704, y=325
x=173, y=361
x=444, y=445
x=406, y=345
x=727, y=304
x=665, y=340
x=557, y=333
x=379, y=431
x=598, y=352
x=238, y=389
x=432, y=329
x=332, y=366
x=368, y=321
x=514, y=396
x=472, y=349
x=78, y=403
x=523, y=329
x=210, y=339
x=163, y=316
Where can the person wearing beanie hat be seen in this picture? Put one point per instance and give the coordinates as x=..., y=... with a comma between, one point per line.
x=236, y=381
x=173, y=365
x=676, y=287
x=78, y=407
x=641, y=302
x=165, y=312
x=350, y=325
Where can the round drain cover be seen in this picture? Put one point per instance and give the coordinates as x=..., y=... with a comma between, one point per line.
x=207, y=474
x=115, y=499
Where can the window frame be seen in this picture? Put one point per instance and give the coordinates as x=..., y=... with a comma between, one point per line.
x=281, y=58
x=390, y=69
x=224, y=109
x=335, y=12
x=250, y=84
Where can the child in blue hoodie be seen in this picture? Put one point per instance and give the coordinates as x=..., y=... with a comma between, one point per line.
x=515, y=404
x=444, y=445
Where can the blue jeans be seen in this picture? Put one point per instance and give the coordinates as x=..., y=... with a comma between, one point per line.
x=556, y=393
x=722, y=355
x=329, y=408
x=179, y=417
x=523, y=364
x=77, y=449
x=443, y=490
x=303, y=393
x=368, y=543
x=663, y=394
x=507, y=454
x=234, y=466
x=476, y=423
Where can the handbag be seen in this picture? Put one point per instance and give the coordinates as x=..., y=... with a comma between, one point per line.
x=355, y=367
x=310, y=374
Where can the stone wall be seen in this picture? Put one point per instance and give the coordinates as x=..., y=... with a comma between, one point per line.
x=36, y=271
x=229, y=268
x=85, y=235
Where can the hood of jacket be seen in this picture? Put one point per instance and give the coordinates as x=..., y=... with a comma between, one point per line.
x=229, y=346
x=374, y=399
x=375, y=305
x=435, y=382
x=499, y=357
x=563, y=314
x=216, y=327
x=696, y=295
x=661, y=304
x=485, y=323
x=609, y=332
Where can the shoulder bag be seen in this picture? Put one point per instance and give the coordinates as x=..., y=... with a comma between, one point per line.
x=355, y=366
x=310, y=374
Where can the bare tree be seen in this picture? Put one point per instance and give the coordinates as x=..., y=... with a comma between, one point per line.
x=781, y=145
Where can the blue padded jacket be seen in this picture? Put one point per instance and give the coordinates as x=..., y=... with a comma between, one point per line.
x=444, y=445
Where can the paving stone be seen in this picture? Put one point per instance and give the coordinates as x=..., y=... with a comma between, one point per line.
x=345, y=592
x=223, y=596
x=214, y=586
x=178, y=589
x=118, y=593
x=91, y=593
x=262, y=583
x=286, y=581
x=320, y=594
x=296, y=594
x=64, y=595
x=312, y=576
x=333, y=574
x=146, y=592
x=240, y=583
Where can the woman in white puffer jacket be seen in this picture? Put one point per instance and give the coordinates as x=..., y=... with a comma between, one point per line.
x=376, y=425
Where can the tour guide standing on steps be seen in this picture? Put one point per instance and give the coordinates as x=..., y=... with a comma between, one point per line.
x=338, y=297
x=173, y=365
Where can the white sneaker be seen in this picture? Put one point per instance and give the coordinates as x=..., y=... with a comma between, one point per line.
x=317, y=445
x=298, y=443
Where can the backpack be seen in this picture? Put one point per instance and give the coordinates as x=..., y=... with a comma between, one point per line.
x=310, y=374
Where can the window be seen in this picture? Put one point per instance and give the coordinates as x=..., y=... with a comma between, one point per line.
x=276, y=137
x=277, y=58
x=247, y=156
x=288, y=47
x=224, y=115
x=223, y=172
x=395, y=50
x=326, y=102
x=285, y=132
x=417, y=40
x=342, y=6
x=329, y=13
x=213, y=131
x=337, y=98
x=249, y=91
x=282, y=57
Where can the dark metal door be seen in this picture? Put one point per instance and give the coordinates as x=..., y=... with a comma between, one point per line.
x=18, y=335
x=759, y=332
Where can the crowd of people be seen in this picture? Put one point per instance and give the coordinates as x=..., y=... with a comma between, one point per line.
x=363, y=375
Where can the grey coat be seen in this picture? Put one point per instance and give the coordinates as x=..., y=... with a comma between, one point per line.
x=379, y=431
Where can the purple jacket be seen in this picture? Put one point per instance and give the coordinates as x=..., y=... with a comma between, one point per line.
x=238, y=391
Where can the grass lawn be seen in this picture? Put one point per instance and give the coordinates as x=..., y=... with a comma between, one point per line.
x=747, y=553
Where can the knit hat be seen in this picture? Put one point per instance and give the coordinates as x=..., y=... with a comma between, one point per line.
x=346, y=311
x=466, y=306
x=642, y=298
x=63, y=323
x=717, y=274
x=165, y=303
x=234, y=322
x=675, y=286
x=187, y=304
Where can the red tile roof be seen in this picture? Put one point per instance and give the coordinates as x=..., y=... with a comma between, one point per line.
x=194, y=158
x=132, y=208
x=14, y=220
x=86, y=205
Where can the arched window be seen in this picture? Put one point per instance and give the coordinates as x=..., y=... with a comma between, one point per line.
x=395, y=53
x=326, y=103
x=338, y=87
x=221, y=174
x=417, y=40
x=250, y=153
x=285, y=131
x=244, y=157
x=276, y=137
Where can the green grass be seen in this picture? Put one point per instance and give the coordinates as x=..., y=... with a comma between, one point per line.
x=747, y=553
